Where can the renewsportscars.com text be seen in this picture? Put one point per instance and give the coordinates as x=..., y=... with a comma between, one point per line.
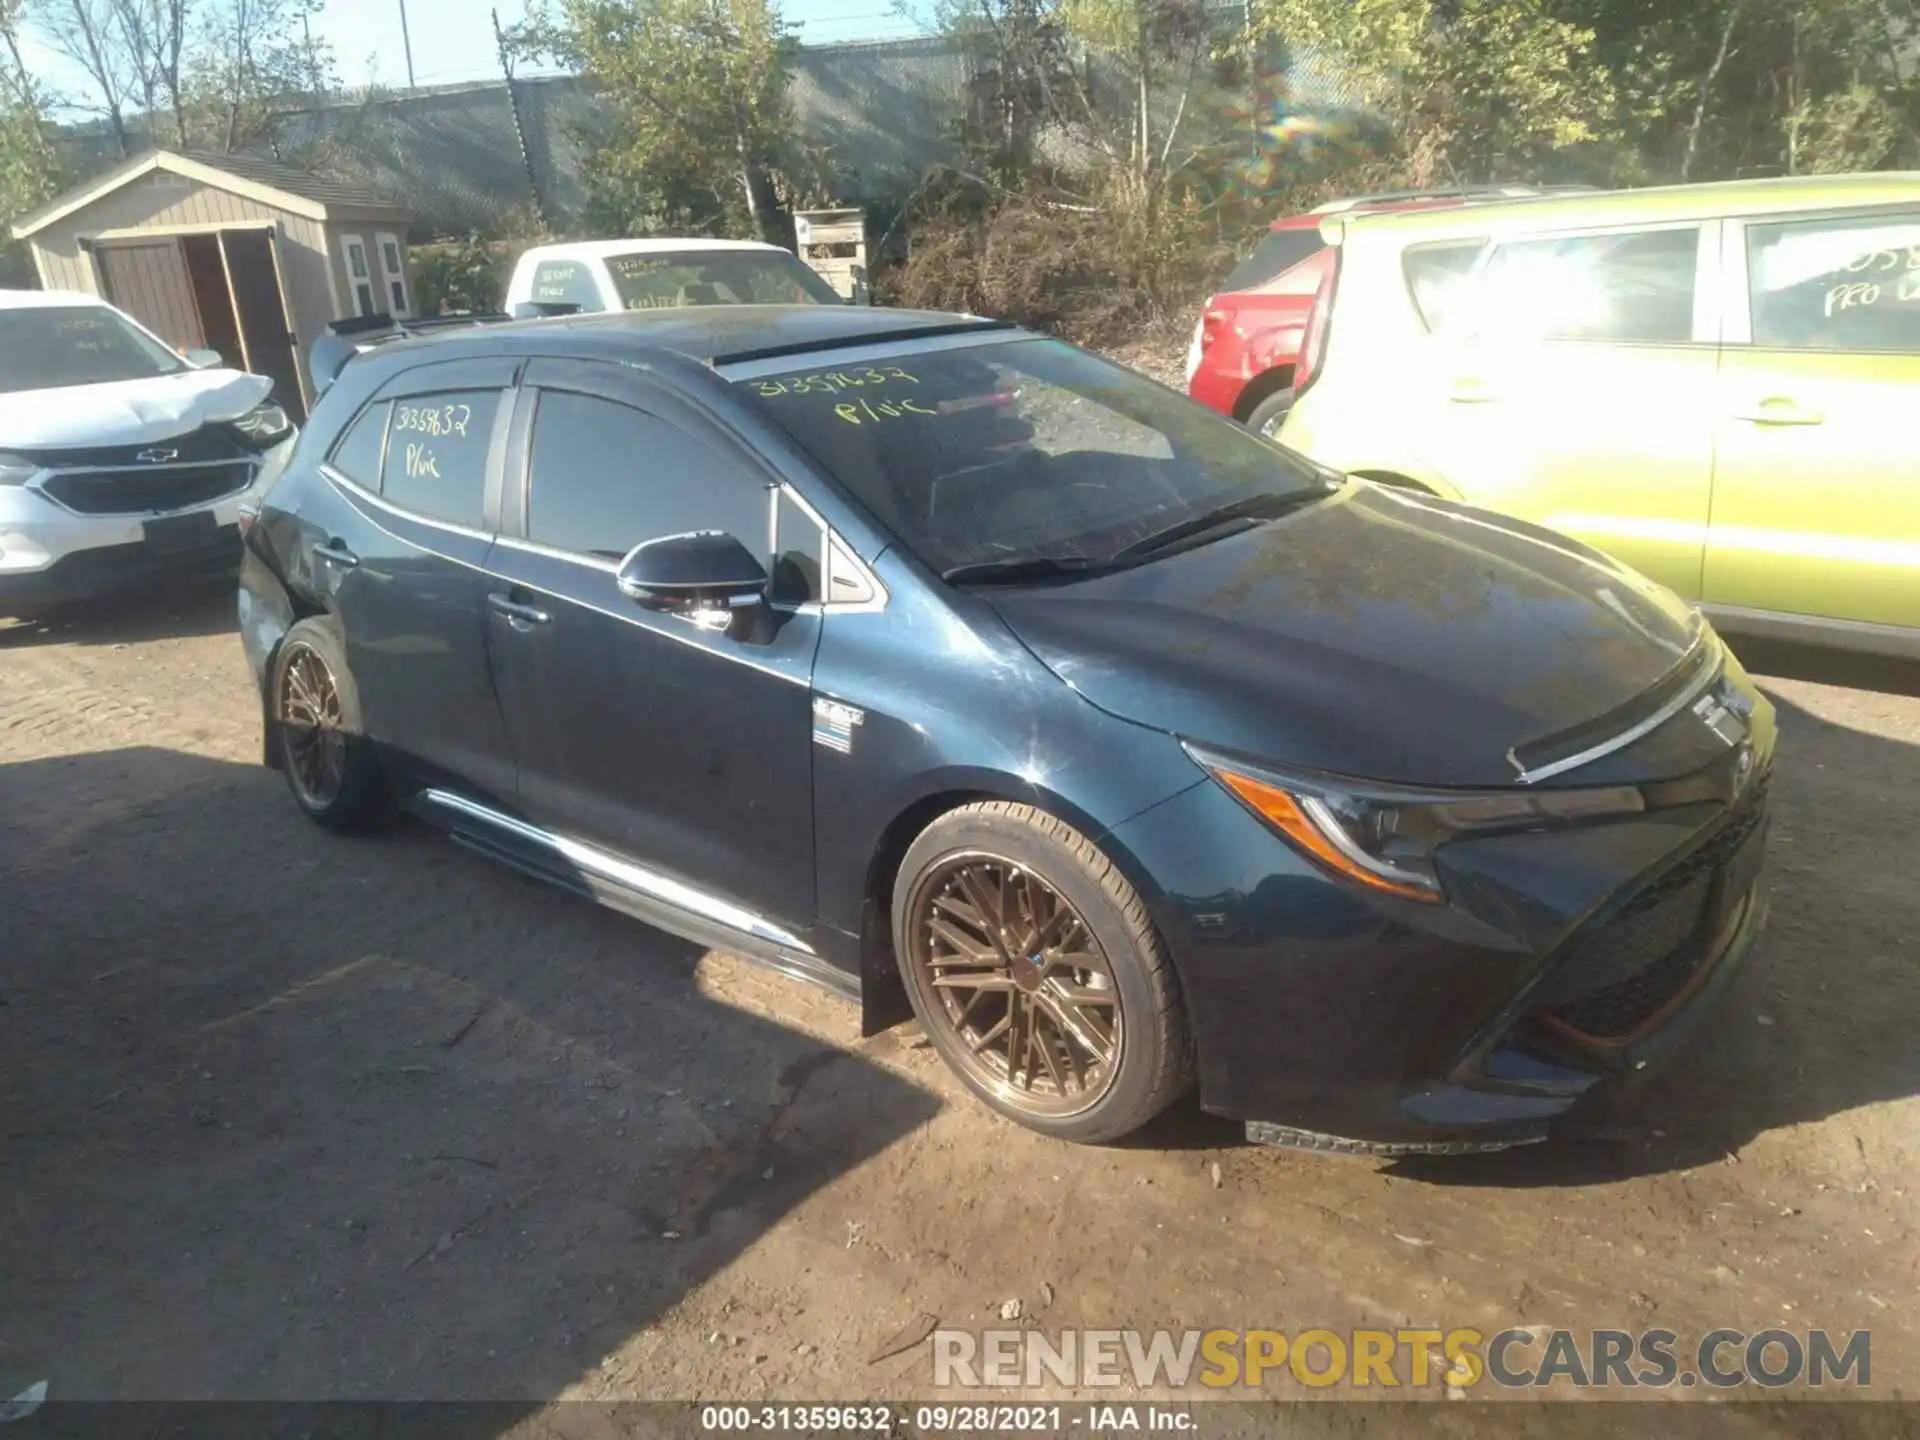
x=1531, y=1358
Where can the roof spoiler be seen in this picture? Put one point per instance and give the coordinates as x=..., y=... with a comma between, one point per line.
x=349, y=337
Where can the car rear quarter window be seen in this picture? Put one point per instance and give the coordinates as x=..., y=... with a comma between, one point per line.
x=1625, y=288
x=566, y=282
x=1437, y=275
x=1278, y=252
x=606, y=476
x=1847, y=283
x=358, y=453
x=436, y=455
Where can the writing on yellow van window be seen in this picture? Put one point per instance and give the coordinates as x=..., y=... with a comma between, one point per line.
x=864, y=411
x=835, y=382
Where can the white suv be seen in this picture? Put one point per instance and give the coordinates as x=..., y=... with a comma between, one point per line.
x=122, y=462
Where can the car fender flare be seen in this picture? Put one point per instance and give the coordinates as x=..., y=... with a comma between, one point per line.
x=883, y=996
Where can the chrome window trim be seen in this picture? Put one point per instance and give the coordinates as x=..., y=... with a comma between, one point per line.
x=608, y=866
x=1709, y=675
x=339, y=479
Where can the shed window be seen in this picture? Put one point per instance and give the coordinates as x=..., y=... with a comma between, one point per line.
x=359, y=275
x=393, y=273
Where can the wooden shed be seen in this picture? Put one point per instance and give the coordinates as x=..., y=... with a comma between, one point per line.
x=230, y=253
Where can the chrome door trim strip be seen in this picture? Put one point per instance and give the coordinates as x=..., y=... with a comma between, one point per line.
x=1709, y=674
x=626, y=873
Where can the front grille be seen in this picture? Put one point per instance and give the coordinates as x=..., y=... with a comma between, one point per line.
x=148, y=489
x=1620, y=975
x=206, y=445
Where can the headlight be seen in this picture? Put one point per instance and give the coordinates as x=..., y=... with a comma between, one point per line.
x=16, y=469
x=1383, y=838
x=266, y=424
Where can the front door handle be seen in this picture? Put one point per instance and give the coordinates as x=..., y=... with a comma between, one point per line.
x=521, y=617
x=1472, y=392
x=1779, y=410
x=337, y=552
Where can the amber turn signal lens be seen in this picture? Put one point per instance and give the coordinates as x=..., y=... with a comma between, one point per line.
x=1282, y=811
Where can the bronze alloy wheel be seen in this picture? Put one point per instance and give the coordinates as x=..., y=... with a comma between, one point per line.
x=1011, y=967
x=309, y=715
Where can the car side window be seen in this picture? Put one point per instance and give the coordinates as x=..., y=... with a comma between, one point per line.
x=436, y=458
x=1848, y=283
x=358, y=453
x=605, y=476
x=1633, y=288
x=566, y=282
x=1436, y=276
x=799, y=554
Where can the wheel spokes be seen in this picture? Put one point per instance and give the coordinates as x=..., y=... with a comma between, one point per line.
x=1011, y=966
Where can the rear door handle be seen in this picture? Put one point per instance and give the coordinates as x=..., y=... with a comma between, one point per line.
x=521, y=617
x=1472, y=392
x=1778, y=410
x=338, y=553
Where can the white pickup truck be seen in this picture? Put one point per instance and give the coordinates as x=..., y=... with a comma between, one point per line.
x=596, y=275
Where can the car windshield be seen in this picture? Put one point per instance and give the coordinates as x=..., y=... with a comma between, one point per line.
x=999, y=455
x=44, y=347
x=668, y=279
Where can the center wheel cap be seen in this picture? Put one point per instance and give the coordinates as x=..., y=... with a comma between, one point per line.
x=1027, y=970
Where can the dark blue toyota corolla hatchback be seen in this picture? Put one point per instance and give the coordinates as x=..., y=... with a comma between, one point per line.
x=944, y=664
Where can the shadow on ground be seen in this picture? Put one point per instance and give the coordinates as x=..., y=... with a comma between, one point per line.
x=1823, y=1020
x=164, y=614
x=290, y=1116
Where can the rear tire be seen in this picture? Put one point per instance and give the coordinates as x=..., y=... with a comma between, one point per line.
x=1036, y=973
x=320, y=735
x=1270, y=414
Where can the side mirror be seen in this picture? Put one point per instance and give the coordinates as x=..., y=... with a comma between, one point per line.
x=705, y=572
x=203, y=359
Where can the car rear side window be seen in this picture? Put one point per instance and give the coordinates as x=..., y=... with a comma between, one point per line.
x=1278, y=252
x=606, y=476
x=1633, y=288
x=566, y=282
x=1436, y=275
x=1849, y=284
x=357, y=455
x=436, y=458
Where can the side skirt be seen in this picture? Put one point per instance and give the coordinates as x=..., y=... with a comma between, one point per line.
x=1860, y=636
x=620, y=884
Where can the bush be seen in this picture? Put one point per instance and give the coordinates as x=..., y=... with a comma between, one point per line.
x=467, y=275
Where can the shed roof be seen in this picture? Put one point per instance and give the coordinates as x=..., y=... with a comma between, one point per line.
x=282, y=186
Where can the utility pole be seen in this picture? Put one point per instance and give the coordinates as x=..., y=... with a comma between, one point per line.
x=406, y=43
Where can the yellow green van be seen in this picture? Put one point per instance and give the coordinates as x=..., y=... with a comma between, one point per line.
x=1717, y=384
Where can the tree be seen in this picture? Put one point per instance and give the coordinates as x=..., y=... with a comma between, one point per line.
x=155, y=34
x=1468, y=89
x=29, y=169
x=696, y=107
x=248, y=58
x=88, y=33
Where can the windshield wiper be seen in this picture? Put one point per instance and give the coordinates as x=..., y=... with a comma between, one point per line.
x=1264, y=506
x=1028, y=567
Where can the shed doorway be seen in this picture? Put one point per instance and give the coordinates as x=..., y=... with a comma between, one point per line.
x=211, y=289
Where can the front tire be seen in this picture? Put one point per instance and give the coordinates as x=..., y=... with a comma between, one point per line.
x=1036, y=973
x=324, y=752
x=1270, y=414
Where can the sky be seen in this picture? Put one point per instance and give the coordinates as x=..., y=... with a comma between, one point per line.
x=452, y=40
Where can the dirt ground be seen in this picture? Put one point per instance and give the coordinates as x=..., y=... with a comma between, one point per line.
x=288, y=1116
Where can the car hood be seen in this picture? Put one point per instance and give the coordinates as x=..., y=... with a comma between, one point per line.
x=1375, y=634
x=126, y=412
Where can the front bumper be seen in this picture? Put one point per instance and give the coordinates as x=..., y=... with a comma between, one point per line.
x=51, y=555
x=1337, y=1021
